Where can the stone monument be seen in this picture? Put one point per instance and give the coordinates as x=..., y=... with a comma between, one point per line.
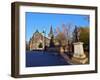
x=78, y=56
x=78, y=50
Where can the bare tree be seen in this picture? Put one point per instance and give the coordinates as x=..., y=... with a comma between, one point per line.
x=63, y=35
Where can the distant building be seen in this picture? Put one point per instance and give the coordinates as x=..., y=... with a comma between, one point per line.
x=38, y=41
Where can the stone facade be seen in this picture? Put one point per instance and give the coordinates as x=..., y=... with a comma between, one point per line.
x=38, y=41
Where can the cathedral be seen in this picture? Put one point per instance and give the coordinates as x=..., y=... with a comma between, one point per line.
x=39, y=41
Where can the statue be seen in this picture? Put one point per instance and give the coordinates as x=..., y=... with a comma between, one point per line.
x=76, y=34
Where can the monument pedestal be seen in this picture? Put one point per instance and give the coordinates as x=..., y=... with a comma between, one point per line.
x=79, y=56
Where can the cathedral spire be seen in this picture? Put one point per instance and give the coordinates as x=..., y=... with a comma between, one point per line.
x=51, y=32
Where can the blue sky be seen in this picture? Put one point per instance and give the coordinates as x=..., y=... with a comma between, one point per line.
x=43, y=21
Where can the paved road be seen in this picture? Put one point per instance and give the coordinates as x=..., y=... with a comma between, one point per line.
x=40, y=58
